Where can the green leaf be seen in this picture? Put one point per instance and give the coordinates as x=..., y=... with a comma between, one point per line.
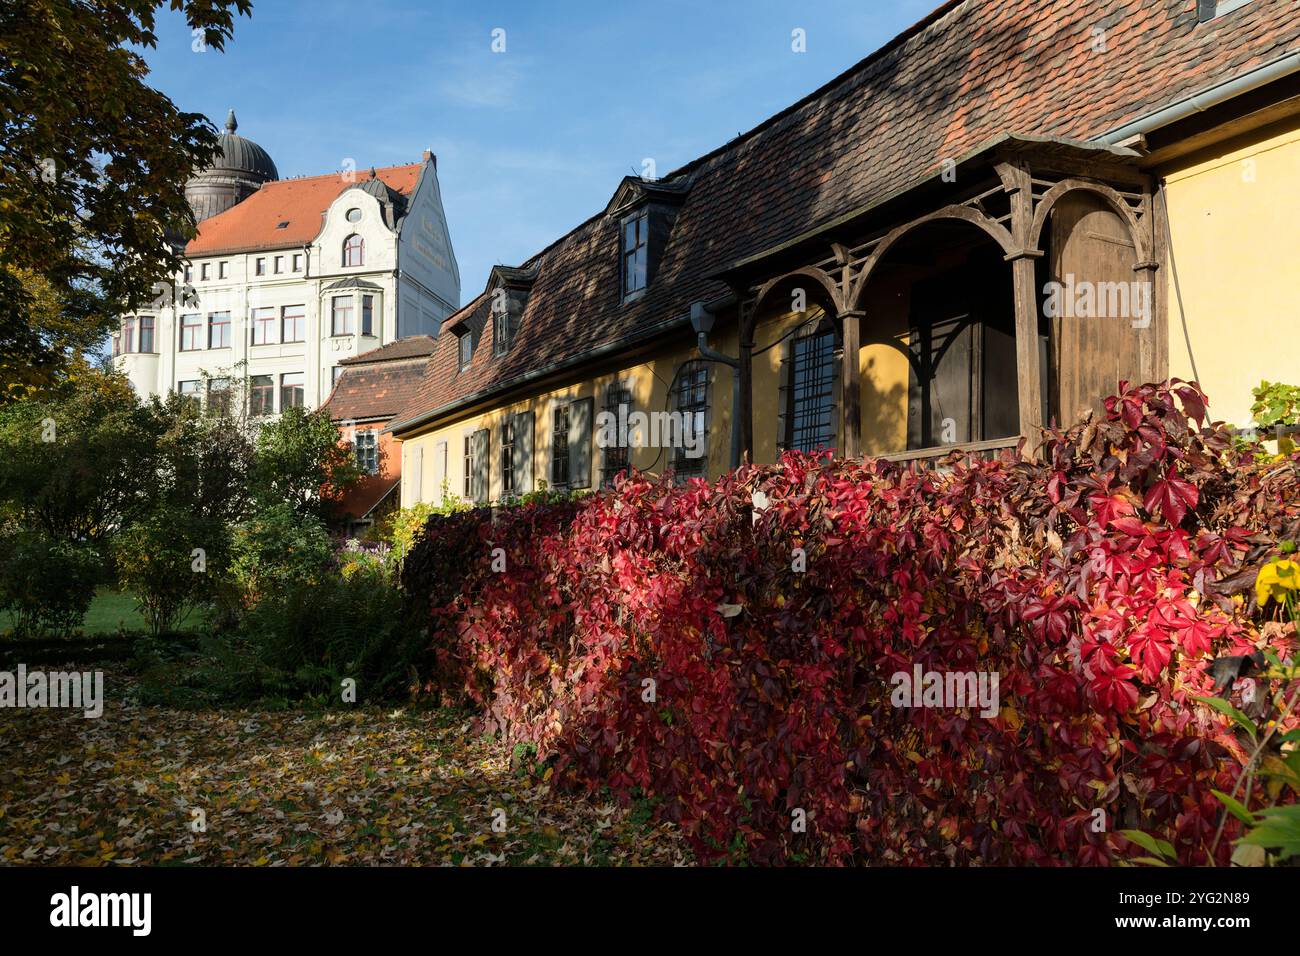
x=1240, y=719
x=1149, y=843
x=1235, y=807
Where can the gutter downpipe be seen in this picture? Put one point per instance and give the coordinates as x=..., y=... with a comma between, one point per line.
x=1200, y=102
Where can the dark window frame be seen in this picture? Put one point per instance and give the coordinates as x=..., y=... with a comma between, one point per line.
x=810, y=411
x=615, y=458
x=691, y=396
x=560, y=457
x=635, y=261
x=508, y=439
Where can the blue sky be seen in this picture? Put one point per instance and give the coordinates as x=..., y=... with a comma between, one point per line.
x=531, y=141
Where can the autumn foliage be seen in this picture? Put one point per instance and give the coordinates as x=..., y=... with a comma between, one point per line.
x=666, y=643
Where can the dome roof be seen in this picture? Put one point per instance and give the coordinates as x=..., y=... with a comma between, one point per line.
x=235, y=154
x=239, y=168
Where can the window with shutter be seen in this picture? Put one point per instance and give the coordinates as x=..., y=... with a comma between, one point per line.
x=508, y=456
x=560, y=447
x=522, y=458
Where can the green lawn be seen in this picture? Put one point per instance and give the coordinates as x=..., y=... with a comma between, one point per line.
x=109, y=611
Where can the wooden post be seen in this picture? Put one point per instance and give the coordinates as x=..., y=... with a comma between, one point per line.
x=1017, y=181
x=746, y=372
x=850, y=383
x=1029, y=379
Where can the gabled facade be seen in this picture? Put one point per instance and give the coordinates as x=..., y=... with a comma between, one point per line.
x=980, y=229
x=286, y=281
x=371, y=389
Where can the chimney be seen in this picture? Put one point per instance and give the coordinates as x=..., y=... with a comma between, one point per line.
x=430, y=158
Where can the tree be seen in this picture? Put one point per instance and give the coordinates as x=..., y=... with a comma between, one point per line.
x=162, y=559
x=80, y=464
x=93, y=165
x=301, y=463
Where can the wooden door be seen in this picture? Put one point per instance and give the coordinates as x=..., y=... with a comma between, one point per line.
x=1093, y=352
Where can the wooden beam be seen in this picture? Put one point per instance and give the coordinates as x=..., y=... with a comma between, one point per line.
x=1017, y=180
x=746, y=372
x=850, y=383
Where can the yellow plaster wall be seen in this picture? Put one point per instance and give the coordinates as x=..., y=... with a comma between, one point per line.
x=1234, y=214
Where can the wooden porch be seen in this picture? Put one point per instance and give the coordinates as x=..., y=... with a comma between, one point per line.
x=993, y=254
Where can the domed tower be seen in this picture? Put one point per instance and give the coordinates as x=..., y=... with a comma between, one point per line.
x=239, y=168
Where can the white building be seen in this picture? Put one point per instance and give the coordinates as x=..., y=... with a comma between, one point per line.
x=286, y=278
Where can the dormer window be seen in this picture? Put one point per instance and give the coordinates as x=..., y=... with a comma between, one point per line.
x=502, y=328
x=636, y=252
x=353, y=251
x=466, y=345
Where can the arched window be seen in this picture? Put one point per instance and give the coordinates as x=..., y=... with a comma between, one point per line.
x=353, y=250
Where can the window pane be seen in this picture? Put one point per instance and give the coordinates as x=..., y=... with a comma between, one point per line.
x=261, y=395
x=292, y=390
x=811, y=398
x=293, y=323
x=219, y=330
x=367, y=314
x=191, y=333
x=146, y=333
x=342, y=321
x=560, y=448
x=264, y=326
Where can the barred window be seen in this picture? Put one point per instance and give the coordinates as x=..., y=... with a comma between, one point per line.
x=810, y=407
x=691, y=402
x=615, y=458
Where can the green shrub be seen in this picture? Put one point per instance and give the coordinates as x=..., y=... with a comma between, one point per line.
x=317, y=635
x=278, y=550
x=45, y=583
x=163, y=558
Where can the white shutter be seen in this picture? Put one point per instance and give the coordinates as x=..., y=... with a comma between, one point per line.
x=482, y=466
x=416, y=469
x=580, y=420
x=522, y=456
x=440, y=471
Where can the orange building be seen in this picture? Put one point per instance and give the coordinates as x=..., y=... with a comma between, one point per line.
x=370, y=390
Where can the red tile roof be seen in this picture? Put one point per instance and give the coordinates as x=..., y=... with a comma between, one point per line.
x=970, y=72
x=415, y=346
x=253, y=224
x=379, y=387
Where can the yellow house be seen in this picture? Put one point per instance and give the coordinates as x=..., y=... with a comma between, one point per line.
x=983, y=227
